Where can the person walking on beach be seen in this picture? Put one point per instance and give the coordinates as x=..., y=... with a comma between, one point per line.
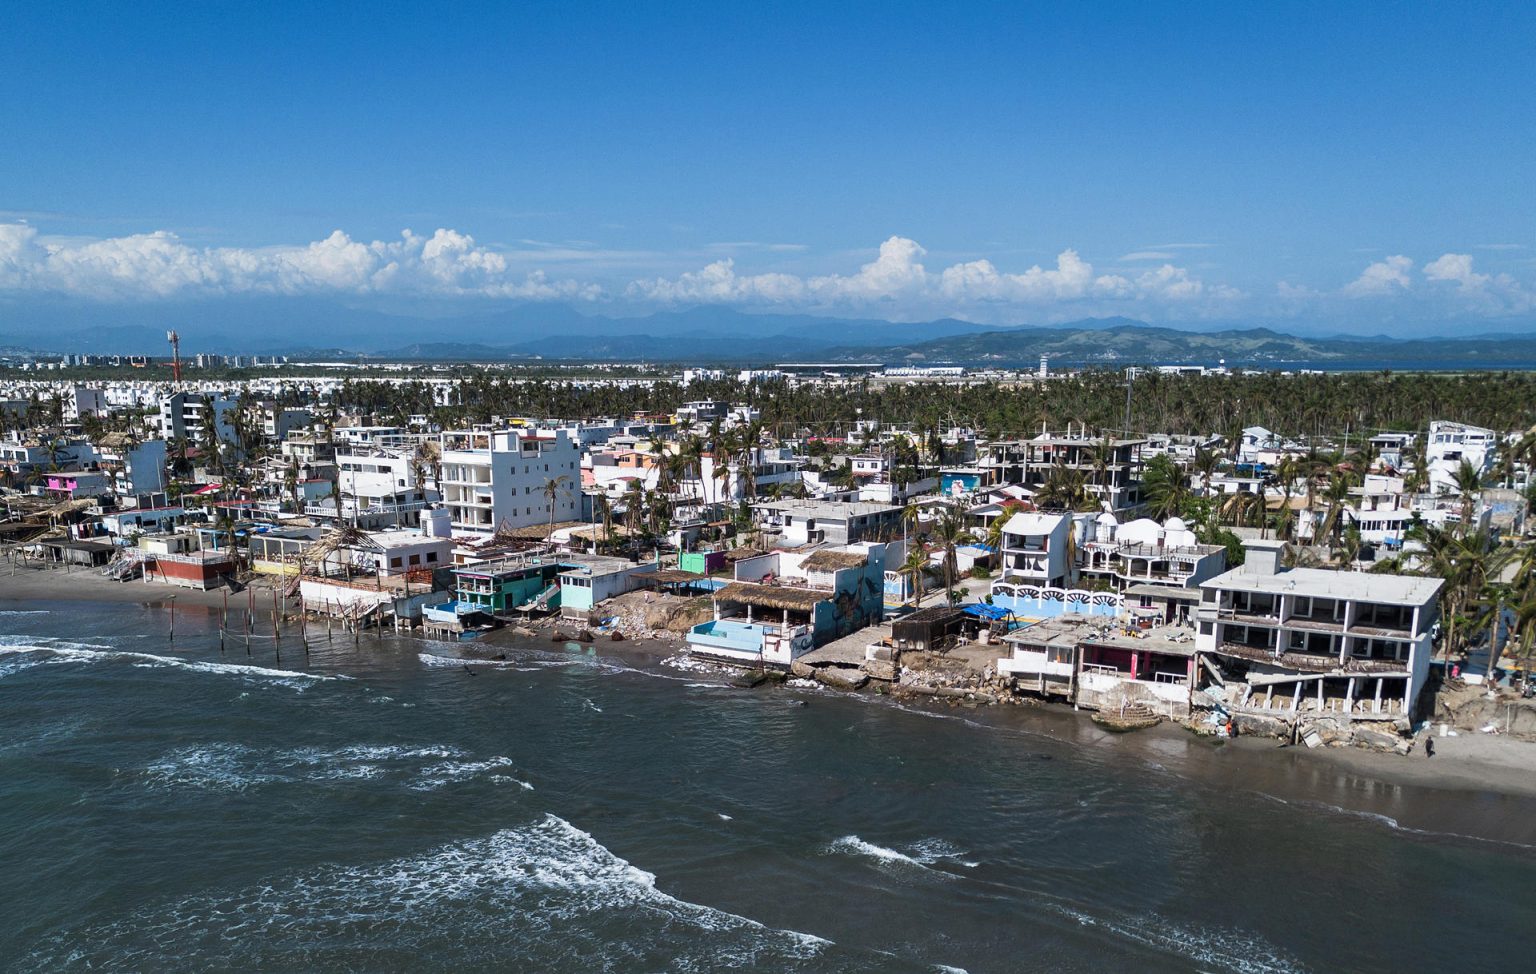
x=1429, y=747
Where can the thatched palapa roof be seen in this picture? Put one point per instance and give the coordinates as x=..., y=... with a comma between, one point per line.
x=772, y=596
x=829, y=560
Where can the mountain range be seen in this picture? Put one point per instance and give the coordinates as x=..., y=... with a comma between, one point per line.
x=303, y=328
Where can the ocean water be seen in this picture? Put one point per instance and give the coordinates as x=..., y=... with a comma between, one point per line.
x=375, y=807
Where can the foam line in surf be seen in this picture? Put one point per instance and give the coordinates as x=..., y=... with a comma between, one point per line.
x=546, y=895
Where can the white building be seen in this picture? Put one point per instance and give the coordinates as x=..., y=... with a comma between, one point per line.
x=382, y=485
x=80, y=401
x=1308, y=640
x=1142, y=552
x=493, y=478
x=1448, y=445
x=1035, y=549
x=1254, y=442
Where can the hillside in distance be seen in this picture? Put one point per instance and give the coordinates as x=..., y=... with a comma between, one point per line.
x=1137, y=343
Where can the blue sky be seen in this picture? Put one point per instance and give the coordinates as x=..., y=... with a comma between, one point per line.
x=1335, y=165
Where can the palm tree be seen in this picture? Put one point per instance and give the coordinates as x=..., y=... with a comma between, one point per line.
x=552, y=489
x=1468, y=483
x=1164, y=486
x=949, y=533
x=1337, y=496
x=910, y=515
x=914, y=570
x=291, y=482
x=1206, y=464
x=604, y=510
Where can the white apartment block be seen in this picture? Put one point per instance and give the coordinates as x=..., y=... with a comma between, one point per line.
x=490, y=478
x=1448, y=445
x=1309, y=640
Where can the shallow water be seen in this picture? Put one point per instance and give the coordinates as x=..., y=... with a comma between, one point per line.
x=376, y=807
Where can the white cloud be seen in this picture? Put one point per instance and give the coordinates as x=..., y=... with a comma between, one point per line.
x=1486, y=293
x=1452, y=286
x=159, y=264
x=898, y=275
x=1388, y=276
x=1457, y=268
x=896, y=283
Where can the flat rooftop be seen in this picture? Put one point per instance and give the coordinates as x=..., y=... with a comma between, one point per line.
x=1067, y=632
x=829, y=509
x=403, y=539
x=1320, y=582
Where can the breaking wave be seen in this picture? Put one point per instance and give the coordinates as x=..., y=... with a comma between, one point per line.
x=61, y=651
x=237, y=768
x=924, y=854
x=1229, y=950
x=540, y=896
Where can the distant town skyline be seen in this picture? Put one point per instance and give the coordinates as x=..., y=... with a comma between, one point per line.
x=1346, y=167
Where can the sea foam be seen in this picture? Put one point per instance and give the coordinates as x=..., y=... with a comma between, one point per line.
x=60, y=651
x=545, y=894
x=233, y=767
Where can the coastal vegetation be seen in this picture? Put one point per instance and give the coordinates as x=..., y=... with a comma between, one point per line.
x=1292, y=405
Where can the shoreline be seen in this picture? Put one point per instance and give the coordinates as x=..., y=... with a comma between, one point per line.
x=1411, y=792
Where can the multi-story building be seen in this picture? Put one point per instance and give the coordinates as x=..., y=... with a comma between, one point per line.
x=782, y=604
x=381, y=487
x=137, y=467
x=495, y=478
x=1143, y=552
x=183, y=415
x=1390, y=448
x=1306, y=640
x=832, y=522
x=1451, y=444
x=278, y=421
x=1110, y=468
x=82, y=401
x=1035, y=549
x=26, y=457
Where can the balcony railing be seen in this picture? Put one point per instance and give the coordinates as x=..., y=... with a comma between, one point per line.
x=1310, y=662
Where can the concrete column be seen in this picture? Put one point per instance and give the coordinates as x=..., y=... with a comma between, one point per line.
x=1135, y=661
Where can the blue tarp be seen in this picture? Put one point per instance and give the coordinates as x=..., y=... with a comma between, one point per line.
x=983, y=611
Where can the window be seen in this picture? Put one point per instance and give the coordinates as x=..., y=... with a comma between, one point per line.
x=394, y=563
x=415, y=559
x=431, y=557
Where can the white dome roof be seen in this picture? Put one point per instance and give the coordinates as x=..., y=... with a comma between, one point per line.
x=1107, y=519
x=1174, y=524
